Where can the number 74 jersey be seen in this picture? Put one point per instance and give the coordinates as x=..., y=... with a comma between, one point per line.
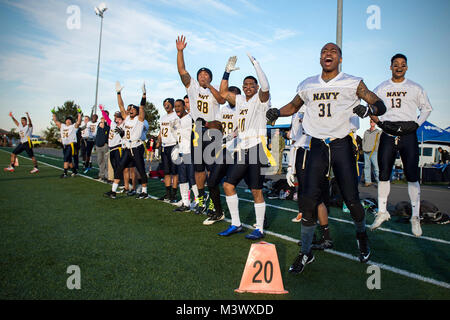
x=402, y=100
x=328, y=106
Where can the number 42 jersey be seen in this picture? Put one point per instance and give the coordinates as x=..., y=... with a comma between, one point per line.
x=328, y=106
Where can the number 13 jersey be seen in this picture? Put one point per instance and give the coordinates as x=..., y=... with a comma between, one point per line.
x=328, y=106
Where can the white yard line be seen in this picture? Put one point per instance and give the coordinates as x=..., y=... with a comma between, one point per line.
x=334, y=252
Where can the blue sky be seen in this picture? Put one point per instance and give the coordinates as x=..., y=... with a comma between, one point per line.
x=43, y=63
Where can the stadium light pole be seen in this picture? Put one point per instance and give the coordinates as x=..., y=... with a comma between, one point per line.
x=99, y=12
x=339, y=26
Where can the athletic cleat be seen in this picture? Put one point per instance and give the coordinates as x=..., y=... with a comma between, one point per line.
x=415, y=226
x=110, y=194
x=131, y=193
x=35, y=170
x=63, y=176
x=182, y=208
x=142, y=195
x=322, y=245
x=231, y=230
x=300, y=262
x=213, y=219
x=298, y=218
x=255, y=235
x=363, y=245
x=74, y=174
x=379, y=219
x=10, y=169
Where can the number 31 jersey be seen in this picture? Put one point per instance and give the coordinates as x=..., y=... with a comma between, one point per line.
x=202, y=102
x=402, y=100
x=328, y=106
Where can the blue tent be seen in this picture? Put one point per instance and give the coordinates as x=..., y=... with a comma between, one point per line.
x=428, y=132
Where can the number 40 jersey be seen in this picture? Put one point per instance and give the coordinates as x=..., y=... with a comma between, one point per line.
x=328, y=106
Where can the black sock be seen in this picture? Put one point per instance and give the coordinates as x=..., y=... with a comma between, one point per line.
x=168, y=192
x=201, y=192
x=174, y=193
x=65, y=172
x=214, y=193
x=325, y=230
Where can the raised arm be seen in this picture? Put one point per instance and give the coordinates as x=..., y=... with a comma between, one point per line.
x=58, y=124
x=264, y=91
x=141, y=116
x=14, y=119
x=120, y=101
x=105, y=115
x=29, y=119
x=77, y=124
x=375, y=106
x=185, y=77
x=223, y=90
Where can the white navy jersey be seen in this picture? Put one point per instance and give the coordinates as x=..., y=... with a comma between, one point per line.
x=167, y=124
x=85, y=130
x=133, y=132
x=25, y=132
x=68, y=134
x=183, y=129
x=202, y=102
x=329, y=105
x=229, y=120
x=251, y=120
x=92, y=129
x=114, y=138
x=298, y=135
x=402, y=100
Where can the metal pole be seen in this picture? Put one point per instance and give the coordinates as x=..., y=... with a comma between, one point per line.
x=98, y=64
x=339, y=26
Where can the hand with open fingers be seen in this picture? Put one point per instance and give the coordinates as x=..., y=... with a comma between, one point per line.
x=290, y=177
x=252, y=58
x=181, y=43
x=118, y=87
x=10, y=114
x=231, y=64
x=101, y=107
x=79, y=110
x=53, y=111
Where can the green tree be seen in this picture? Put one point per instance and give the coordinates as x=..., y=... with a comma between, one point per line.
x=152, y=116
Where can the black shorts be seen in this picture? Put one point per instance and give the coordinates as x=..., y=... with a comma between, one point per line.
x=70, y=151
x=137, y=156
x=114, y=156
x=205, y=148
x=408, y=147
x=247, y=166
x=25, y=146
x=343, y=162
x=169, y=166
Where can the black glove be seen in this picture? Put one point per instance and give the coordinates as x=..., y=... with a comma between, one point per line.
x=272, y=114
x=119, y=131
x=398, y=128
x=362, y=111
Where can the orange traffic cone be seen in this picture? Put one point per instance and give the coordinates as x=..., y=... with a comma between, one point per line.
x=262, y=271
x=16, y=163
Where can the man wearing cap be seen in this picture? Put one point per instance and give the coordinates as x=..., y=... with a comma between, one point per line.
x=204, y=102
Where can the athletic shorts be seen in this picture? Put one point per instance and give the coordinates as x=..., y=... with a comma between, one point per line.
x=247, y=166
x=408, y=147
x=25, y=146
x=70, y=151
x=204, y=148
x=186, y=173
x=169, y=166
x=135, y=155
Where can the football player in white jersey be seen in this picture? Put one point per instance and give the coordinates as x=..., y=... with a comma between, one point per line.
x=68, y=131
x=400, y=122
x=91, y=128
x=250, y=108
x=167, y=139
x=329, y=101
x=298, y=157
x=25, y=130
x=204, y=102
x=83, y=142
x=134, y=149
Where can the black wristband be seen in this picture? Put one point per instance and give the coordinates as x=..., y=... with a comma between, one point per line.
x=381, y=108
x=118, y=93
x=143, y=101
x=226, y=76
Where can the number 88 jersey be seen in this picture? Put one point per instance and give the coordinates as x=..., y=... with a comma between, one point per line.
x=202, y=102
x=328, y=106
x=228, y=117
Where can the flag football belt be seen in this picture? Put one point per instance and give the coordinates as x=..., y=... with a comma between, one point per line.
x=29, y=143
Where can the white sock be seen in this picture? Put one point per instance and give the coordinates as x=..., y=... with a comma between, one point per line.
x=184, y=191
x=195, y=190
x=260, y=212
x=144, y=189
x=233, y=206
x=414, y=196
x=384, y=187
x=114, y=187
